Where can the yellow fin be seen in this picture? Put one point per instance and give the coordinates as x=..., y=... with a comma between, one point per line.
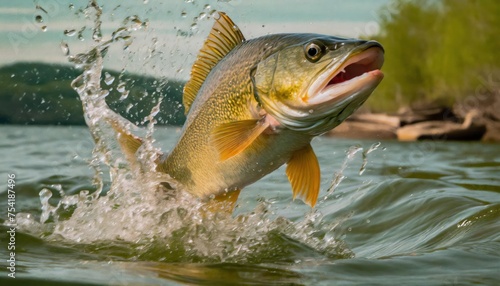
x=232, y=138
x=223, y=37
x=129, y=143
x=304, y=175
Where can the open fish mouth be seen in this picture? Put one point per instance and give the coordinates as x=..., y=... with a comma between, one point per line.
x=357, y=75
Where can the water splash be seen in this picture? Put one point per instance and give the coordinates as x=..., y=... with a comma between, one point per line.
x=365, y=153
x=338, y=176
x=64, y=48
x=69, y=33
x=108, y=78
x=80, y=33
x=146, y=210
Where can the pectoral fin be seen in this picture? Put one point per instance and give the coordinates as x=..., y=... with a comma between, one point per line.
x=232, y=138
x=304, y=175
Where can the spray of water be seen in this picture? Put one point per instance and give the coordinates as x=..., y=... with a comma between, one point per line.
x=339, y=176
x=146, y=212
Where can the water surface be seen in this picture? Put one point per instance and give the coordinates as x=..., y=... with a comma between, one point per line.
x=420, y=213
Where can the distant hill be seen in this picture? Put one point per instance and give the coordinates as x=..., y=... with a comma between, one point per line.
x=37, y=93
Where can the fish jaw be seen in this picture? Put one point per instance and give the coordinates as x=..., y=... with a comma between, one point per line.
x=356, y=76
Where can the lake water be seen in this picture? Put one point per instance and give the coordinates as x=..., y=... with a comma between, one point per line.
x=423, y=213
x=389, y=213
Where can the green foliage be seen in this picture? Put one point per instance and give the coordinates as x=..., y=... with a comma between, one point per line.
x=34, y=93
x=437, y=51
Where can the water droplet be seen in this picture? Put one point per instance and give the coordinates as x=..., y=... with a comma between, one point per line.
x=365, y=156
x=103, y=93
x=189, y=1
x=44, y=28
x=108, y=79
x=207, y=7
x=183, y=14
x=64, y=48
x=80, y=33
x=71, y=6
x=38, y=7
x=202, y=16
x=13, y=75
x=119, y=33
x=70, y=33
x=96, y=35
x=373, y=147
x=212, y=12
x=121, y=87
x=38, y=19
x=349, y=229
x=181, y=33
x=311, y=111
x=78, y=83
x=136, y=23
x=194, y=27
x=45, y=195
x=124, y=95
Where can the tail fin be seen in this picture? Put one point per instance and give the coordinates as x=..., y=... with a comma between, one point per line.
x=129, y=143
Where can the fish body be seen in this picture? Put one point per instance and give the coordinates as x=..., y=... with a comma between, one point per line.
x=254, y=105
x=225, y=98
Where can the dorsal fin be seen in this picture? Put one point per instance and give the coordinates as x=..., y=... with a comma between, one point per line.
x=223, y=37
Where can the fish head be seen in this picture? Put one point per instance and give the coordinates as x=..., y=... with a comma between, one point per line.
x=313, y=82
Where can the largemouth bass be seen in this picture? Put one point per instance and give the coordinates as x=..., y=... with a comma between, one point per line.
x=254, y=105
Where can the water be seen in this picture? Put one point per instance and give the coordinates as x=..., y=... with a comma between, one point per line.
x=388, y=213
x=420, y=213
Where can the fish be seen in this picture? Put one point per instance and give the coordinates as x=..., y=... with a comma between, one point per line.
x=254, y=105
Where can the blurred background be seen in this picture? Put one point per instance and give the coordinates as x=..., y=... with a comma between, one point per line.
x=442, y=57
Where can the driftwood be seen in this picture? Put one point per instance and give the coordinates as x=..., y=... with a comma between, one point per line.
x=363, y=130
x=431, y=123
x=443, y=130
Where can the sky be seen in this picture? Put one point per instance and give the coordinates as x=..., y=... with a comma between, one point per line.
x=33, y=31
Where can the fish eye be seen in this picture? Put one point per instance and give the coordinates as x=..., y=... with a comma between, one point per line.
x=313, y=52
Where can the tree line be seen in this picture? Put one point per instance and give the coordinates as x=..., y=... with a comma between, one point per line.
x=437, y=51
